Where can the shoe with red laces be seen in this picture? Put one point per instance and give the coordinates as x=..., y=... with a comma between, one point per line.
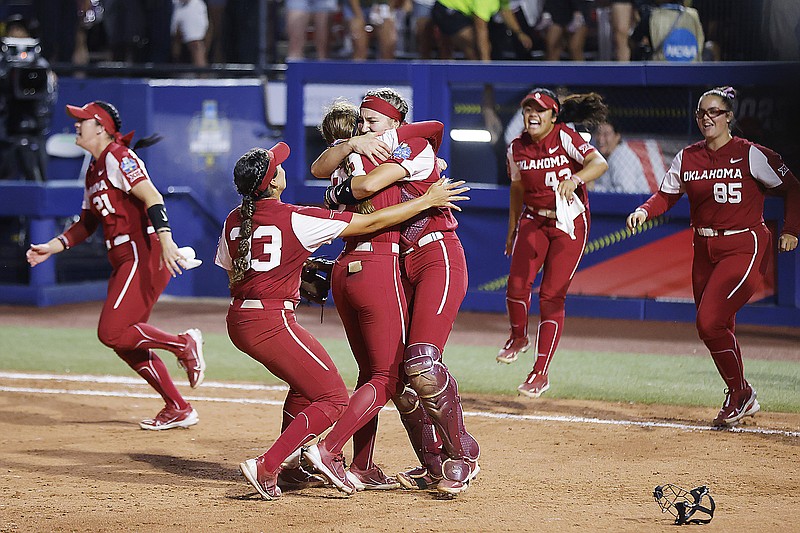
x=535, y=385
x=418, y=478
x=191, y=358
x=512, y=348
x=299, y=478
x=331, y=466
x=266, y=483
x=738, y=404
x=372, y=479
x=457, y=475
x=172, y=417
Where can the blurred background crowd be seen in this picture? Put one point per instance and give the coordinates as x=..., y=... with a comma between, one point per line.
x=219, y=32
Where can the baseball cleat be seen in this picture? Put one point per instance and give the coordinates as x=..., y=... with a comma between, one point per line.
x=298, y=478
x=512, y=348
x=170, y=417
x=266, y=483
x=418, y=478
x=738, y=404
x=372, y=479
x=535, y=385
x=191, y=358
x=331, y=466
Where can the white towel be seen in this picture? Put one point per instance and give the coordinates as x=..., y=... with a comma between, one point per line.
x=190, y=260
x=566, y=211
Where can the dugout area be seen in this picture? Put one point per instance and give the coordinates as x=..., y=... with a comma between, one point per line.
x=207, y=124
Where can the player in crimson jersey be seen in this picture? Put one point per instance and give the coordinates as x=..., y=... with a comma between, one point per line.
x=725, y=179
x=435, y=280
x=370, y=299
x=120, y=196
x=548, y=219
x=263, y=246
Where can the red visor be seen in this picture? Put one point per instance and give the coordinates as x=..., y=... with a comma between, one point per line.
x=277, y=155
x=381, y=106
x=542, y=99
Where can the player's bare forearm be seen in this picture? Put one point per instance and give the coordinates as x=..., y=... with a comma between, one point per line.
x=329, y=160
x=378, y=179
x=441, y=194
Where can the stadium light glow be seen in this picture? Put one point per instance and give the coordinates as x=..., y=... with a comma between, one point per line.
x=471, y=136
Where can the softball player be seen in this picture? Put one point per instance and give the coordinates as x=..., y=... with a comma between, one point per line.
x=435, y=281
x=121, y=197
x=263, y=246
x=548, y=220
x=370, y=300
x=725, y=179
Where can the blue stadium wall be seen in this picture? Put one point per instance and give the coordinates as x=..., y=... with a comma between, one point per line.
x=194, y=173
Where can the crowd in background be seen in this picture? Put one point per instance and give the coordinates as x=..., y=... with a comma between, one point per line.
x=204, y=32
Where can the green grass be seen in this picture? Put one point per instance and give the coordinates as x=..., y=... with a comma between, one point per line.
x=615, y=377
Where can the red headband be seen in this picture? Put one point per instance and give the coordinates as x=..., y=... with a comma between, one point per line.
x=542, y=99
x=381, y=106
x=277, y=155
x=102, y=117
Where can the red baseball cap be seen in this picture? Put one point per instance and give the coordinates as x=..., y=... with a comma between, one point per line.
x=94, y=111
x=277, y=155
x=544, y=100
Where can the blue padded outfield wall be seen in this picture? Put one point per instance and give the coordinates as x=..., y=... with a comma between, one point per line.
x=208, y=124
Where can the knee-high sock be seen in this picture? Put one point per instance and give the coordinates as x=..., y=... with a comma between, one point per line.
x=728, y=358
x=548, y=335
x=307, y=425
x=147, y=337
x=148, y=365
x=518, y=315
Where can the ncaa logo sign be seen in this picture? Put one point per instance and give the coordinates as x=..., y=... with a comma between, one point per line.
x=680, y=45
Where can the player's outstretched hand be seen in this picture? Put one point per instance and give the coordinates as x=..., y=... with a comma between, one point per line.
x=636, y=219
x=38, y=253
x=786, y=242
x=444, y=192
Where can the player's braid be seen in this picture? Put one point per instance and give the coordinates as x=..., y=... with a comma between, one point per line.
x=589, y=109
x=247, y=176
x=393, y=97
x=242, y=262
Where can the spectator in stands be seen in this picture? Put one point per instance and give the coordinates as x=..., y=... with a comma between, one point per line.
x=215, y=38
x=623, y=20
x=568, y=22
x=465, y=27
x=514, y=39
x=782, y=29
x=138, y=31
x=189, y=28
x=424, y=29
x=298, y=15
x=366, y=18
x=625, y=168
x=669, y=32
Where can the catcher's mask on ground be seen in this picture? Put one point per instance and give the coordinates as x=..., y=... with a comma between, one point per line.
x=683, y=504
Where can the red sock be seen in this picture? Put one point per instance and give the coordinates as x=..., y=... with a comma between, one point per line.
x=143, y=336
x=148, y=365
x=518, y=316
x=293, y=406
x=307, y=425
x=365, y=403
x=548, y=335
x=364, y=444
x=728, y=359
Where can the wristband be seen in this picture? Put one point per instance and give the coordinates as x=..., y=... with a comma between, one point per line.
x=576, y=180
x=63, y=241
x=158, y=217
x=341, y=194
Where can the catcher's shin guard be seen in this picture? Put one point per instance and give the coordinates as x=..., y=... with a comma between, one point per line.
x=424, y=439
x=438, y=394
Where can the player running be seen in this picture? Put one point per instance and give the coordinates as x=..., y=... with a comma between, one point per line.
x=725, y=179
x=121, y=197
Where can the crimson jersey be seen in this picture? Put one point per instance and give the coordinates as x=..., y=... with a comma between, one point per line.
x=726, y=187
x=542, y=165
x=414, y=154
x=109, y=181
x=284, y=236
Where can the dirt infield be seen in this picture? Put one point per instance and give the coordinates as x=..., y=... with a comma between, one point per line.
x=72, y=457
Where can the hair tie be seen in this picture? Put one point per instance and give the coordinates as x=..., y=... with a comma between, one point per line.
x=124, y=139
x=729, y=92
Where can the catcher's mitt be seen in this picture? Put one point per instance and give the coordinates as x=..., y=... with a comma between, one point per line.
x=315, y=279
